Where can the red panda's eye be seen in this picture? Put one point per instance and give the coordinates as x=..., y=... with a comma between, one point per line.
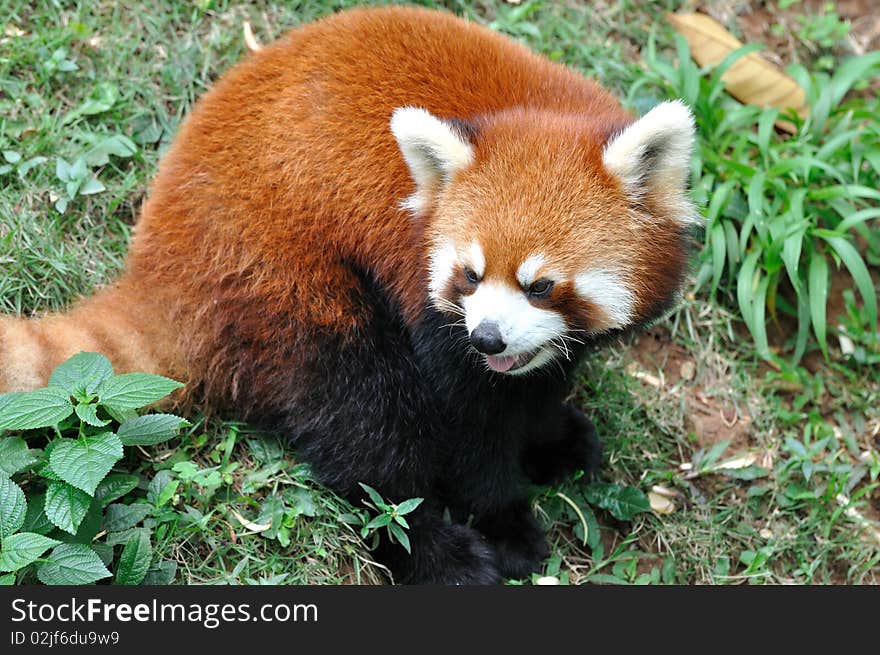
x=540, y=288
x=471, y=275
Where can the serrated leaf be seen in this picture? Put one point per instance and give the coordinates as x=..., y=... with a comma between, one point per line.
x=622, y=502
x=113, y=487
x=13, y=507
x=158, y=490
x=84, y=371
x=120, y=516
x=42, y=408
x=161, y=573
x=66, y=506
x=134, y=562
x=84, y=462
x=15, y=455
x=72, y=564
x=150, y=429
x=35, y=519
x=7, y=580
x=88, y=413
x=134, y=390
x=22, y=549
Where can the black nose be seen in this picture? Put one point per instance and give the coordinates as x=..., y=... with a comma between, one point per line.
x=486, y=338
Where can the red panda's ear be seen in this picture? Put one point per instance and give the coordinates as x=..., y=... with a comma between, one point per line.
x=652, y=156
x=434, y=150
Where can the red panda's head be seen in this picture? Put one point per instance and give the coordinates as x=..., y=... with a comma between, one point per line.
x=546, y=229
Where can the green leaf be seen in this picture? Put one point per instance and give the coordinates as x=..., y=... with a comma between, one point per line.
x=66, y=506
x=162, y=488
x=379, y=522
x=408, y=506
x=113, y=487
x=88, y=413
x=91, y=187
x=719, y=253
x=83, y=372
x=134, y=562
x=856, y=266
x=134, y=390
x=372, y=493
x=850, y=72
x=62, y=169
x=7, y=580
x=745, y=473
x=100, y=100
x=72, y=564
x=622, y=502
x=818, y=292
x=35, y=519
x=84, y=462
x=122, y=517
x=42, y=408
x=22, y=549
x=150, y=430
x=401, y=536
x=15, y=455
x=13, y=507
x=161, y=573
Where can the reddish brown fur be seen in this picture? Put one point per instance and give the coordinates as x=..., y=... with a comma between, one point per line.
x=286, y=169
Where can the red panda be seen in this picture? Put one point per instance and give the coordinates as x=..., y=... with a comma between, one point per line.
x=390, y=236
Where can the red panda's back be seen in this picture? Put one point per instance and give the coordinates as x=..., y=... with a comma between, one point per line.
x=286, y=173
x=289, y=159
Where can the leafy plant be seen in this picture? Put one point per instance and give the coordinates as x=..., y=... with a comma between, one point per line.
x=781, y=212
x=390, y=516
x=78, y=179
x=72, y=492
x=14, y=162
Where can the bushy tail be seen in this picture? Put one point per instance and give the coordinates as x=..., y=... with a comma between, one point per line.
x=133, y=331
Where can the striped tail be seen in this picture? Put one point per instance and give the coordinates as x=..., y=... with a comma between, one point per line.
x=136, y=334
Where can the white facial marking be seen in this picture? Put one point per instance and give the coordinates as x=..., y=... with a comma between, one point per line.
x=442, y=261
x=432, y=149
x=528, y=270
x=607, y=289
x=653, y=155
x=478, y=260
x=524, y=328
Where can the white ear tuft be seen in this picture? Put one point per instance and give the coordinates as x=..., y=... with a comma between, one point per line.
x=434, y=150
x=653, y=154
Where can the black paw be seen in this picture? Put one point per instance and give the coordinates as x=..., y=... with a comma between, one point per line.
x=446, y=555
x=578, y=450
x=519, y=542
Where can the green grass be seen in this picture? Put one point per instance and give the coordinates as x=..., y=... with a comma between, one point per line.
x=805, y=510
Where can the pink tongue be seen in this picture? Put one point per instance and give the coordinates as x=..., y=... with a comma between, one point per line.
x=500, y=364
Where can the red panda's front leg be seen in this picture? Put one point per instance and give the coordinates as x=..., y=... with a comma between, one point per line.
x=551, y=458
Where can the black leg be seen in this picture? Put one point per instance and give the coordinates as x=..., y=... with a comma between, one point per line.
x=442, y=553
x=519, y=542
x=577, y=448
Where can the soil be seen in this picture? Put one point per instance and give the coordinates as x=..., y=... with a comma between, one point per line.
x=710, y=417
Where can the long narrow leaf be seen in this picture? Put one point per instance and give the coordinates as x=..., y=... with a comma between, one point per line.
x=818, y=293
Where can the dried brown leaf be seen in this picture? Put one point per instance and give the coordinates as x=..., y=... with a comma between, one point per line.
x=752, y=79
